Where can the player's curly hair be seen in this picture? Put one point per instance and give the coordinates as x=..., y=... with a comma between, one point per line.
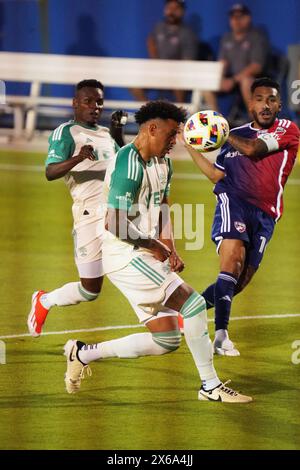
x=91, y=83
x=160, y=109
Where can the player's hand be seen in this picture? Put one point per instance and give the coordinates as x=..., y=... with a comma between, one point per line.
x=118, y=119
x=86, y=151
x=176, y=263
x=160, y=250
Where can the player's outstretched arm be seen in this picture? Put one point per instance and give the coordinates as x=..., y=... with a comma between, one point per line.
x=252, y=148
x=204, y=165
x=119, y=225
x=58, y=170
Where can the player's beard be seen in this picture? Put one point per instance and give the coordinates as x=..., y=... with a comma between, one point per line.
x=264, y=124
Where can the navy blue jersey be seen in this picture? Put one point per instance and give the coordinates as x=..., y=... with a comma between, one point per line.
x=260, y=181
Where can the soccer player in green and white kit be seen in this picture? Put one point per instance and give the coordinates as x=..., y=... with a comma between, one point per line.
x=80, y=151
x=139, y=257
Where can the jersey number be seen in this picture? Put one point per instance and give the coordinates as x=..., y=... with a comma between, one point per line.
x=263, y=244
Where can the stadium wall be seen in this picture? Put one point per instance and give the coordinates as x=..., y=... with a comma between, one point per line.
x=119, y=28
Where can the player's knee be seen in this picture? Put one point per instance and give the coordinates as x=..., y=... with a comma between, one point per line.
x=169, y=341
x=234, y=263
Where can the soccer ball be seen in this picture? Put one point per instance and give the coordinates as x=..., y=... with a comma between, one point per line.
x=206, y=130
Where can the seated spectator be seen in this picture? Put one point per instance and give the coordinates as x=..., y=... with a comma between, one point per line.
x=244, y=51
x=171, y=39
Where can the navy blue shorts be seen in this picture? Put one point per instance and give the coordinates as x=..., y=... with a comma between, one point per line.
x=240, y=220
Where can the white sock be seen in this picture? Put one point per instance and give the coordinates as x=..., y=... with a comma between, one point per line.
x=132, y=346
x=198, y=341
x=69, y=294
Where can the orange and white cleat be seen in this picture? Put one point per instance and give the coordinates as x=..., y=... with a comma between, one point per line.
x=37, y=315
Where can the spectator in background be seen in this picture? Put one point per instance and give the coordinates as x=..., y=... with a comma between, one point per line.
x=172, y=39
x=244, y=51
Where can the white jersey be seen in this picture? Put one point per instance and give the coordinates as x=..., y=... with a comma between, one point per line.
x=85, y=180
x=139, y=188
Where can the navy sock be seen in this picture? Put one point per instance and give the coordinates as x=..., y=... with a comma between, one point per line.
x=209, y=295
x=224, y=291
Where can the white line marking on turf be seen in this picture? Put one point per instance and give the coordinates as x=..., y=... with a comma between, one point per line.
x=13, y=167
x=123, y=327
x=178, y=176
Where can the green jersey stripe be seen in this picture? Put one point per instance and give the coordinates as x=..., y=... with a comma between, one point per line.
x=87, y=295
x=165, y=345
x=159, y=276
x=58, y=132
x=136, y=165
x=133, y=165
x=195, y=311
x=150, y=270
x=192, y=305
x=145, y=272
x=129, y=165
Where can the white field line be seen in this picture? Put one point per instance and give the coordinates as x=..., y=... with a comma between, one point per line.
x=12, y=167
x=122, y=327
x=179, y=176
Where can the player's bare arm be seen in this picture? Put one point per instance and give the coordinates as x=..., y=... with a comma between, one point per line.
x=58, y=170
x=119, y=225
x=251, y=148
x=167, y=238
x=204, y=165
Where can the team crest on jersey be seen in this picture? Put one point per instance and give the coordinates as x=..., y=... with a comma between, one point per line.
x=240, y=226
x=279, y=131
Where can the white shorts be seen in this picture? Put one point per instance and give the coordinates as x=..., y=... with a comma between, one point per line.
x=88, y=233
x=147, y=284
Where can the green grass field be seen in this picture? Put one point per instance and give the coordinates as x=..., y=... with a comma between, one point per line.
x=149, y=403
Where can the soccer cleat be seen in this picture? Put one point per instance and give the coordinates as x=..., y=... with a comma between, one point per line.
x=37, y=315
x=75, y=368
x=225, y=348
x=223, y=394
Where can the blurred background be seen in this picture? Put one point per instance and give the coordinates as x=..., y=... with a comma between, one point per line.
x=119, y=28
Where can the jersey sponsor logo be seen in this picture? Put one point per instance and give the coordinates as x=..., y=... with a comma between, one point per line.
x=162, y=179
x=240, y=227
x=82, y=251
x=52, y=154
x=125, y=197
x=232, y=154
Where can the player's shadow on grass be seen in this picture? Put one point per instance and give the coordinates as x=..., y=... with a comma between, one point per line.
x=81, y=400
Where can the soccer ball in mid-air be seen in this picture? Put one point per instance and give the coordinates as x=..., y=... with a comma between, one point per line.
x=206, y=130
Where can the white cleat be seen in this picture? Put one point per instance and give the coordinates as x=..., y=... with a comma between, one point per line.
x=223, y=394
x=225, y=348
x=75, y=368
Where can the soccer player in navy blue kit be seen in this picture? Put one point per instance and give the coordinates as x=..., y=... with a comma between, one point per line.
x=249, y=176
